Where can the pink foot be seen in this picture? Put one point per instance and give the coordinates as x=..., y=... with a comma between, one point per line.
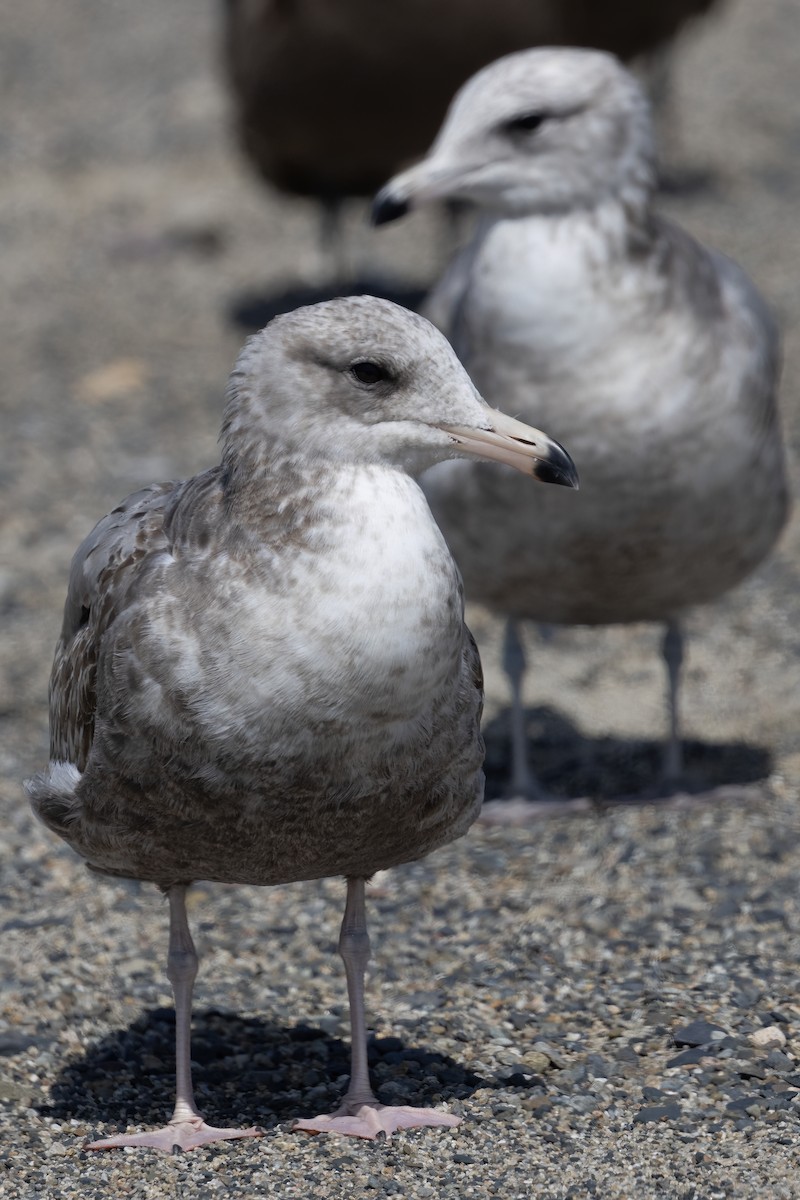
x=372, y=1120
x=177, y=1135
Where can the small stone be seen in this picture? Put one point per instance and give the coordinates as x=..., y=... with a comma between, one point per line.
x=601, y=1068
x=688, y=1058
x=770, y=1038
x=749, y=1104
x=698, y=1033
x=776, y=1060
x=658, y=1112
x=768, y=916
x=507, y=1057
x=536, y=1061
x=112, y=381
x=545, y=1048
x=749, y=1070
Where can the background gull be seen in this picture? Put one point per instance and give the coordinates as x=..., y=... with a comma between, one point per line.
x=264, y=673
x=576, y=298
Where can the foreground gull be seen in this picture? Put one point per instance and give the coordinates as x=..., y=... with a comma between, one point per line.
x=652, y=357
x=264, y=673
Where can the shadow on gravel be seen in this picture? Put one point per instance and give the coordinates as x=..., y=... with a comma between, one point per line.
x=570, y=764
x=247, y=1069
x=253, y=310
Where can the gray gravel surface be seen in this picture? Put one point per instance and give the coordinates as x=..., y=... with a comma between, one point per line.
x=610, y=999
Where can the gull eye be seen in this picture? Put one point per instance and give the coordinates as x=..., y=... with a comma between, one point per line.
x=526, y=123
x=369, y=373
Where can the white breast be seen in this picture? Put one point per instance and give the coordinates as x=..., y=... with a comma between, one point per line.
x=668, y=412
x=366, y=624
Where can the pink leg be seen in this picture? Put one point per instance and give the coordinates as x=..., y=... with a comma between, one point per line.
x=360, y=1114
x=186, y=1128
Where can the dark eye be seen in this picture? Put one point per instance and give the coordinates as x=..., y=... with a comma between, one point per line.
x=526, y=123
x=368, y=372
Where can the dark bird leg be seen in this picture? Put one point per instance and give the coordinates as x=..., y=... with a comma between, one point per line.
x=332, y=241
x=360, y=1114
x=186, y=1128
x=672, y=650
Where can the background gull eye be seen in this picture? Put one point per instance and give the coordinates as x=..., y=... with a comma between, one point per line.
x=368, y=372
x=525, y=123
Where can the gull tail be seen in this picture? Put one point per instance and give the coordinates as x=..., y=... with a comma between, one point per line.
x=53, y=797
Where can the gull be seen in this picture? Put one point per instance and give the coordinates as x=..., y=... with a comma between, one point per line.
x=264, y=673
x=578, y=305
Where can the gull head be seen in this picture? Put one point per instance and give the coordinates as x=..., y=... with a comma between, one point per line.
x=362, y=380
x=544, y=131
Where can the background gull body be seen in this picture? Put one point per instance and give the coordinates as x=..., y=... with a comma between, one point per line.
x=577, y=297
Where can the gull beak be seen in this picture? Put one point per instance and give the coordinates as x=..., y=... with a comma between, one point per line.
x=387, y=207
x=434, y=178
x=509, y=441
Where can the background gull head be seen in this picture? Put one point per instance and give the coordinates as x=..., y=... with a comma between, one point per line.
x=540, y=131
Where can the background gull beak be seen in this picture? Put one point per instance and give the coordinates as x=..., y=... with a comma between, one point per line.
x=509, y=441
x=387, y=207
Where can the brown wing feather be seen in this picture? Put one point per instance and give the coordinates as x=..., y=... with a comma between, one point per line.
x=101, y=573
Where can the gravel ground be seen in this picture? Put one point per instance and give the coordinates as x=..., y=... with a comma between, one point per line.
x=610, y=998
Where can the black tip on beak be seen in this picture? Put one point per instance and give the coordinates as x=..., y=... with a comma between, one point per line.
x=558, y=468
x=386, y=208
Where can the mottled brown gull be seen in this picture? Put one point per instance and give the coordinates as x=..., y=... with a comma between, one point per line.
x=264, y=673
x=652, y=357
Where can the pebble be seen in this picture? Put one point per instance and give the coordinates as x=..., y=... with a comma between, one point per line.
x=770, y=1038
x=537, y=1060
x=658, y=1112
x=698, y=1033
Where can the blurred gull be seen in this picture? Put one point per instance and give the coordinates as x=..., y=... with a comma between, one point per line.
x=652, y=357
x=264, y=673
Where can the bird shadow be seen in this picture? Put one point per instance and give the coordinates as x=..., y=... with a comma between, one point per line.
x=252, y=310
x=249, y=1069
x=571, y=764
